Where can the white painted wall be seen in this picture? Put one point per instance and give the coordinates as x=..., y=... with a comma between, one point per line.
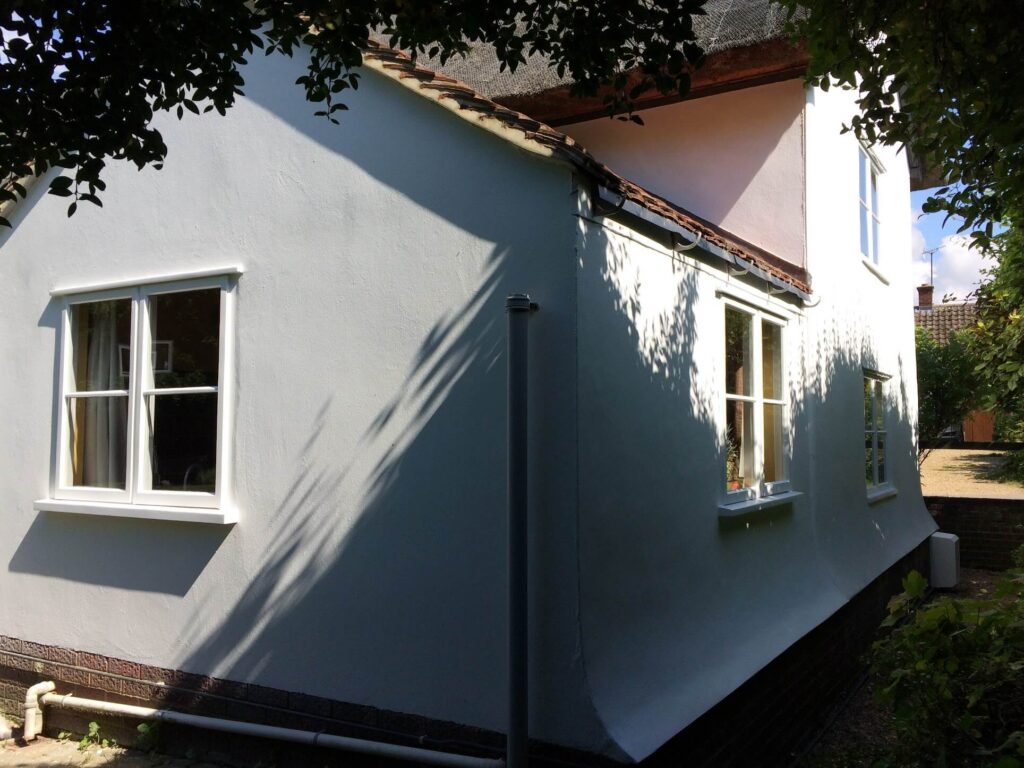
x=369, y=563
x=736, y=159
x=678, y=609
x=859, y=305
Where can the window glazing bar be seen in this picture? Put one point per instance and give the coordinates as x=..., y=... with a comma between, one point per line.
x=180, y=391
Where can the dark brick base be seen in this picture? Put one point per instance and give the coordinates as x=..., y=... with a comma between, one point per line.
x=89, y=675
x=989, y=529
x=764, y=723
x=776, y=714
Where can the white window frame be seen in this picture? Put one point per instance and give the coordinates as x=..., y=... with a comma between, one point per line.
x=135, y=500
x=869, y=165
x=760, y=489
x=878, y=404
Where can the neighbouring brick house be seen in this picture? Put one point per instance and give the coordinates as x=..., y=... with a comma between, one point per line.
x=940, y=320
x=256, y=410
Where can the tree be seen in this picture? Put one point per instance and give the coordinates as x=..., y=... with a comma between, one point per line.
x=947, y=386
x=997, y=342
x=80, y=80
x=943, y=78
x=997, y=338
x=940, y=77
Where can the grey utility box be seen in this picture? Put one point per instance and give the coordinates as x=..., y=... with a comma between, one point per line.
x=944, y=554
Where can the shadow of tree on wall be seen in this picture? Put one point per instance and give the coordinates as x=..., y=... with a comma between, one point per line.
x=397, y=599
x=410, y=594
x=407, y=590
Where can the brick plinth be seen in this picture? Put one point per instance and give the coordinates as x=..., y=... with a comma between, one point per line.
x=776, y=714
x=989, y=529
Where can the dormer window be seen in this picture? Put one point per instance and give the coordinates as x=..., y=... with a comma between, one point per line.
x=869, y=170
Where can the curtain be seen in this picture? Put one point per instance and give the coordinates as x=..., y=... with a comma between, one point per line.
x=104, y=430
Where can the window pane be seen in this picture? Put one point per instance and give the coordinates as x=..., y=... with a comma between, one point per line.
x=868, y=400
x=186, y=338
x=879, y=406
x=880, y=456
x=739, y=457
x=183, y=441
x=863, y=176
x=874, y=193
x=737, y=352
x=99, y=440
x=771, y=360
x=869, y=457
x=864, y=231
x=100, y=344
x=874, y=240
x=774, y=459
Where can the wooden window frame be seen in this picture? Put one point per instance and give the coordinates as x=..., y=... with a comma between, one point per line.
x=135, y=500
x=759, y=489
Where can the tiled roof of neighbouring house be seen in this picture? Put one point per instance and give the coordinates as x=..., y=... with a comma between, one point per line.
x=727, y=24
x=940, y=320
x=541, y=139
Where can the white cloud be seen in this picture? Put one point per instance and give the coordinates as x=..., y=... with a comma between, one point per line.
x=957, y=267
x=917, y=241
x=920, y=266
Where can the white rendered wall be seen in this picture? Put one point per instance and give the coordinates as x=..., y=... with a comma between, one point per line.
x=735, y=159
x=368, y=565
x=369, y=561
x=677, y=608
x=867, y=313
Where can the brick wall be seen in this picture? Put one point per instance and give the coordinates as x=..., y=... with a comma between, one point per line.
x=764, y=723
x=989, y=529
x=88, y=675
x=774, y=716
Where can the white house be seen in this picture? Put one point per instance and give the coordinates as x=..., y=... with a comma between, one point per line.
x=255, y=406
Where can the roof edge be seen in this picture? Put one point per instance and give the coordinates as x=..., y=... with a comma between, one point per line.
x=733, y=69
x=540, y=139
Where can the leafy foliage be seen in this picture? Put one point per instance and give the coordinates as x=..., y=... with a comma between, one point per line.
x=948, y=386
x=1009, y=427
x=943, y=79
x=953, y=672
x=93, y=738
x=81, y=80
x=997, y=339
x=149, y=736
x=1013, y=468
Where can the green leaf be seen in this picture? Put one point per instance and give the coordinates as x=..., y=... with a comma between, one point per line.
x=915, y=584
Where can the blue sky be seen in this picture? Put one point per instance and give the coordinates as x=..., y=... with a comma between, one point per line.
x=956, y=266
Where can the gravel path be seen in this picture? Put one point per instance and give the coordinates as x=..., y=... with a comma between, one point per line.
x=50, y=753
x=967, y=473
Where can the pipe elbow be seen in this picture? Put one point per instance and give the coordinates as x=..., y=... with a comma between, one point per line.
x=33, y=712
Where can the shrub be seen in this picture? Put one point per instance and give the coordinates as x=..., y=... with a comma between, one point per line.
x=953, y=672
x=947, y=386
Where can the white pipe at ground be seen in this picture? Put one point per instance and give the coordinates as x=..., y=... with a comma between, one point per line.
x=33, y=712
x=363, y=746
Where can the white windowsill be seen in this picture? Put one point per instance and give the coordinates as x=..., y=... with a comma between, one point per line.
x=874, y=269
x=742, y=509
x=881, y=493
x=218, y=516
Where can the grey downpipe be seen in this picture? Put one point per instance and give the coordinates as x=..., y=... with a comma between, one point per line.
x=518, y=307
